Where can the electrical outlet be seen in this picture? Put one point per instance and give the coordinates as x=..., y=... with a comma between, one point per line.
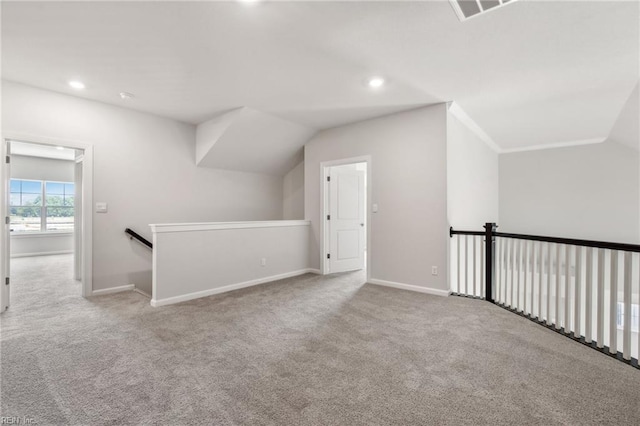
x=434, y=270
x=263, y=261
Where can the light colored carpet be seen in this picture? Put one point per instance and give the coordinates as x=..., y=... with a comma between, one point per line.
x=304, y=351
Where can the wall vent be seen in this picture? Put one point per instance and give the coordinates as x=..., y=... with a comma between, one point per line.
x=466, y=9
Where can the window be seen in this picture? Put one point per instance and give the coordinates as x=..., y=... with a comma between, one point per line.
x=41, y=206
x=26, y=205
x=635, y=317
x=59, y=206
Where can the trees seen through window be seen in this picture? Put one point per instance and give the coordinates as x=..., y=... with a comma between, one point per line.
x=40, y=206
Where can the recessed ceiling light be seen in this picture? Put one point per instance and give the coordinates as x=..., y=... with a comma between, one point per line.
x=249, y=1
x=78, y=85
x=376, y=82
x=59, y=148
x=127, y=95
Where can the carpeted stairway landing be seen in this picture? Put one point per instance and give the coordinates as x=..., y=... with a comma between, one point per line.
x=303, y=351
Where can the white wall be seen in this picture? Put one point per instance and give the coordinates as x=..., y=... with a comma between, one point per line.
x=626, y=130
x=293, y=193
x=36, y=168
x=250, y=140
x=144, y=169
x=588, y=192
x=472, y=178
x=41, y=244
x=192, y=261
x=408, y=175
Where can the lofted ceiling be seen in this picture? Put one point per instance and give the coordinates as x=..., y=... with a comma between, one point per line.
x=626, y=130
x=532, y=73
x=251, y=141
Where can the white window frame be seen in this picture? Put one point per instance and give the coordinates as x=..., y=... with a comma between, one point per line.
x=43, y=209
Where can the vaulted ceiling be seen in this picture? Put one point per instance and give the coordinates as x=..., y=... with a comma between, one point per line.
x=530, y=73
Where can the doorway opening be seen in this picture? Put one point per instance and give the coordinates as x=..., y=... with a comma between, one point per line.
x=346, y=192
x=46, y=195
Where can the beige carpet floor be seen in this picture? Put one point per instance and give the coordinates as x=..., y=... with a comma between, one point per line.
x=303, y=351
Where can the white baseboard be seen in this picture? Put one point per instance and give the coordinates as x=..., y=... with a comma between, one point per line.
x=111, y=290
x=198, y=294
x=314, y=271
x=43, y=253
x=144, y=293
x=410, y=287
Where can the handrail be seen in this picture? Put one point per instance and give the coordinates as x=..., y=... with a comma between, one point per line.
x=558, y=240
x=453, y=232
x=132, y=234
x=572, y=241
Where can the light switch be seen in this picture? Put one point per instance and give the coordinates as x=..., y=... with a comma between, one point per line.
x=101, y=207
x=375, y=208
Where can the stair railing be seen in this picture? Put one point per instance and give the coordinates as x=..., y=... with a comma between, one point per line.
x=586, y=290
x=134, y=235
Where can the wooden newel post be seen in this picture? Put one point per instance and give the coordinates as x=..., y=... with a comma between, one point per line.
x=489, y=241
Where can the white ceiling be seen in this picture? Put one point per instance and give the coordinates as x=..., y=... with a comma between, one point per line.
x=627, y=128
x=531, y=73
x=43, y=151
x=251, y=141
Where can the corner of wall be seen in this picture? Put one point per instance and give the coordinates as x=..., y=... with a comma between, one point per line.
x=456, y=111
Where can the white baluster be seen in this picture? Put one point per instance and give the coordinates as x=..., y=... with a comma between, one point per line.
x=540, y=269
x=588, y=298
x=512, y=244
x=638, y=320
x=533, y=281
x=518, y=265
x=578, y=293
x=626, y=332
x=567, y=289
x=548, y=319
x=613, y=304
x=475, y=292
x=466, y=264
x=526, y=270
x=482, y=261
x=558, y=289
x=458, y=259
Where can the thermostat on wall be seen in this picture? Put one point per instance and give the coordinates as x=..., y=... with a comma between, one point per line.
x=101, y=207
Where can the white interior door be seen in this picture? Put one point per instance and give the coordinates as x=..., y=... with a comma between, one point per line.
x=346, y=219
x=5, y=230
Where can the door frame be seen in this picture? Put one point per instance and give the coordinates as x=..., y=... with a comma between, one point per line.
x=5, y=300
x=324, y=207
x=86, y=229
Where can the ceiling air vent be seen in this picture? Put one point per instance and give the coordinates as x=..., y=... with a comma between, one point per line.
x=466, y=9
